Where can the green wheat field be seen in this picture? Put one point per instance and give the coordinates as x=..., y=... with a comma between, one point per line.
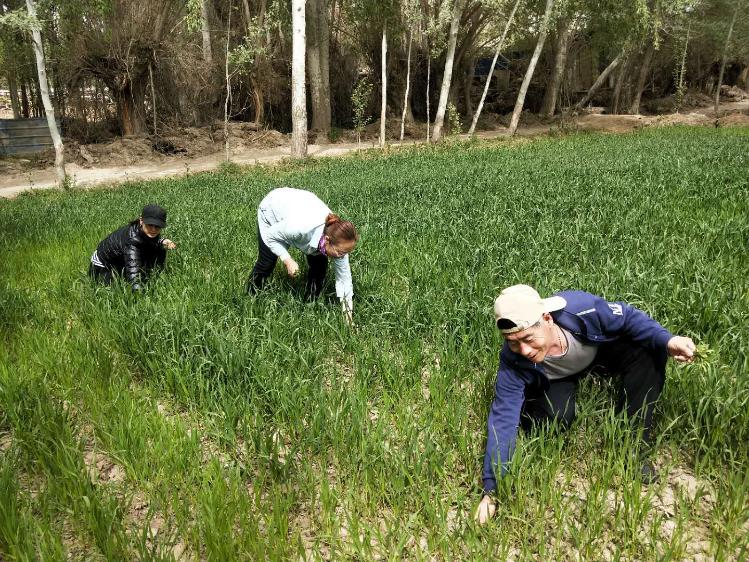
x=193, y=422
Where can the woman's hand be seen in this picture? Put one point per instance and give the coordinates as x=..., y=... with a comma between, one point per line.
x=348, y=312
x=292, y=267
x=168, y=244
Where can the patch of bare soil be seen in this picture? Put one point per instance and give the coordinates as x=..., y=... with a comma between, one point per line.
x=102, y=469
x=174, y=144
x=733, y=93
x=609, y=123
x=140, y=514
x=678, y=489
x=5, y=442
x=734, y=120
x=690, y=100
x=682, y=119
x=527, y=119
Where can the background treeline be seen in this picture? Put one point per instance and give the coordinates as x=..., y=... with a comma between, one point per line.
x=129, y=66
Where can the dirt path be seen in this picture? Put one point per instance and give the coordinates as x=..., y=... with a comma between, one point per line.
x=13, y=184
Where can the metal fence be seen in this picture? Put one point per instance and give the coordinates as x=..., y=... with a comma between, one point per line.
x=24, y=136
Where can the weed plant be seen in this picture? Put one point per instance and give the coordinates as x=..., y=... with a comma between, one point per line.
x=254, y=428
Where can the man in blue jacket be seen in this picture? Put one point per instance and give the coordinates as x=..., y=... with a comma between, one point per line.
x=549, y=344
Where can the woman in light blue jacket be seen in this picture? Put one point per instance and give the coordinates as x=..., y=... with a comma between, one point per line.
x=289, y=217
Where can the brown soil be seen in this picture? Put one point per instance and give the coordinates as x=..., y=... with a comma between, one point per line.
x=188, y=150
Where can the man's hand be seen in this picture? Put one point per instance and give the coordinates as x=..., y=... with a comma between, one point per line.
x=168, y=244
x=681, y=349
x=292, y=267
x=485, y=511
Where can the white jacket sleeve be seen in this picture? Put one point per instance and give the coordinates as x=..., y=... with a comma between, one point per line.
x=344, y=286
x=279, y=237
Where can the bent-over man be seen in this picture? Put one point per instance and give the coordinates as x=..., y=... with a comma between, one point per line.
x=549, y=344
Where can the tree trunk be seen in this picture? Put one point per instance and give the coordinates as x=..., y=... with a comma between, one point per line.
x=153, y=97
x=467, y=87
x=531, y=69
x=725, y=56
x=13, y=87
x=620, y=77
x=246, y=12
x=744, y=78
x=383, y=109
x=642, y=77
x=44, y=92
x=206, y=31
x=258, y=99
x=131, y=106
x=600, y=80
x=24, y=101
x=256, y=87
x=408, y=85
x=318, y=70
x=560, y=62
x=679, y=97
x=298, y=86
x=491, y=70
x=227, y=78
x=439, y=119
x=429, y=72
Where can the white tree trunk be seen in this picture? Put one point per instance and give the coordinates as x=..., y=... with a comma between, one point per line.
x=227, y=99
x=439, y=119
x=531, y=69
x=383, y=110
x=491, y=70
x=153, y=97
x=206, y=30
x=298, y=86
x=41, y=67
x=408, y=85
x=723, y=60
x=600, y=80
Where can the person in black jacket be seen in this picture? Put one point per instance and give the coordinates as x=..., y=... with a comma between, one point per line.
x=132, y=251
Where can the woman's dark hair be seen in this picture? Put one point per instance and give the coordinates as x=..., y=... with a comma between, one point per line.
x=338, y=230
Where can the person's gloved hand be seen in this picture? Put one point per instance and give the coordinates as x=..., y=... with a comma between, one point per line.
x=485, y=511
x=168, y=244
x=681, y=349
x=292, y=267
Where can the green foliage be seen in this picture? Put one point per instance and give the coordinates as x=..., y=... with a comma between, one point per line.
x=360, y=97
x=19, y=20
x=260, y=427
x=194, y=15
x=243, y=56
x=454, y=123
x=229, y=168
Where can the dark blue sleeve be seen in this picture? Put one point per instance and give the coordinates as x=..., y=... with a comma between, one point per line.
x=504, y=416
x=620, y=318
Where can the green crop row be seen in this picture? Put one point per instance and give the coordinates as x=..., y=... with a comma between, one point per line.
x=235, y=427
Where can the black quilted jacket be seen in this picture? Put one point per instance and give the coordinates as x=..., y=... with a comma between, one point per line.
x=130, y=252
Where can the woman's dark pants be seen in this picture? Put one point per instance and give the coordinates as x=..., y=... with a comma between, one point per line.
x=266, y=261
x=101, y=274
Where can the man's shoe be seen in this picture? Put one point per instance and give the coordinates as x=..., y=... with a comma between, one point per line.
x=648, y=474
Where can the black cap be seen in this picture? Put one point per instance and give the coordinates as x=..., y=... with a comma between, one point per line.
x=154, y=215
